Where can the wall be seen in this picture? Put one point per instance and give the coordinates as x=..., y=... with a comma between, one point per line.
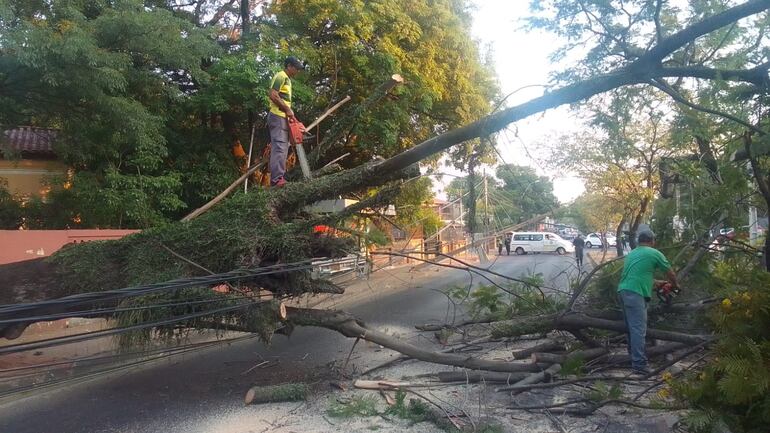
x=20, y=245
x=27, y=176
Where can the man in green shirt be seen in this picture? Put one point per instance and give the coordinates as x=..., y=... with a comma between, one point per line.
x=635, y=290
x=278, y=118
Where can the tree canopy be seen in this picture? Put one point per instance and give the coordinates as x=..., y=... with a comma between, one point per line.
x=150, y=97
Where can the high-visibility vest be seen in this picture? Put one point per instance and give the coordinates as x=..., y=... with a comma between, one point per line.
x=282, y=84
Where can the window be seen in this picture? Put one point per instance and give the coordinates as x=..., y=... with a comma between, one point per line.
x=521, y=237
x=537, y=237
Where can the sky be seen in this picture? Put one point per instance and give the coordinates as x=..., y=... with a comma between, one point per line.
x=521, y=59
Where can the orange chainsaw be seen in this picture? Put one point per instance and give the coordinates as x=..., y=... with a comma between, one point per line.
x=666, y=291
x=297, y=136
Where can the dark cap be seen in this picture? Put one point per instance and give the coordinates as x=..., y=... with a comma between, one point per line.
x=293, y=61
x=646, y=236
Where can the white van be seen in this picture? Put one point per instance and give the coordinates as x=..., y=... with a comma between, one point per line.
x=539, y=242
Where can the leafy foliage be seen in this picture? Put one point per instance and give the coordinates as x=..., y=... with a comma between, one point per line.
x=734, y=387
x=511, y=301
x=150, y=99
x=515, y=194
x=11, y=212
x=357, y=406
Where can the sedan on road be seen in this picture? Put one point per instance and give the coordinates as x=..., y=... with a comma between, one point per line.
x=595, y=240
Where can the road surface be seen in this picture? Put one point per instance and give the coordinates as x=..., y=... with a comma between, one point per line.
x=180, y=393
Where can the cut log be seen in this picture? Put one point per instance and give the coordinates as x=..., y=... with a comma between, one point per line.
x=382, y=384
x=480, y=376
x=651, y=352
x=548, y=346
x=276, y=393
x=542, y=376
x=553, y=358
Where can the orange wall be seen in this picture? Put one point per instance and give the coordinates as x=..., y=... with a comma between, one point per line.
x=26, y=176
x=20, y=245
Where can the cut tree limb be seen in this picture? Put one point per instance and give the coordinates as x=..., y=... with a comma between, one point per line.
x=553, y=358
x=224, y=193
x=548, y=346
x=533, y=378
x=480, y=376
x=349, y=326
x=571, y=321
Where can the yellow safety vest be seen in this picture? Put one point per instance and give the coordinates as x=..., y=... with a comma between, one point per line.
x=282, y=84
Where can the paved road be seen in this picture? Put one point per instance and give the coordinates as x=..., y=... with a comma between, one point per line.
x=178, y=394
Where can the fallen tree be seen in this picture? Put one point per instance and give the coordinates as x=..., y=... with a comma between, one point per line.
x=266, y=228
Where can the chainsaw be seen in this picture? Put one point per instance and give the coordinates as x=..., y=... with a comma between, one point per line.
x=297, y=136
x=666, y=291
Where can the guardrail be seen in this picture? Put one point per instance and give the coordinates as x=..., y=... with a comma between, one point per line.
x=354, y=265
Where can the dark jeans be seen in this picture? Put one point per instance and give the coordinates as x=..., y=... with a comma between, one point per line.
x=579, y=256
x=635, y=316
x=508, y=248
x=279, y=146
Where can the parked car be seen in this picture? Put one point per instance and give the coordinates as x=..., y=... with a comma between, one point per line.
x=539, y=242
x=595, y=240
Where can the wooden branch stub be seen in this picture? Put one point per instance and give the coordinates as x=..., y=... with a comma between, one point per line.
x=276, y=393
x=380, y=384
x=282, y=311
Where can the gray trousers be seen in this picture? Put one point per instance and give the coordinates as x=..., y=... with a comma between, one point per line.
x=635, y=316
x=279, y=146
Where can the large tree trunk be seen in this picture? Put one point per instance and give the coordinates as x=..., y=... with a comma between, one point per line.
x=619, y=237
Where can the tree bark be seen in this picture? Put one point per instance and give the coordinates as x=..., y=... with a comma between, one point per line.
x=554, y=358
x=533, y=378
x=619, y=236
x=570, y=321
x=480, y=376
x=548, y=346
x=351, y=327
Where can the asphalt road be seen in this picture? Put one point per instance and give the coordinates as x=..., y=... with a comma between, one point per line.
x=173, y=395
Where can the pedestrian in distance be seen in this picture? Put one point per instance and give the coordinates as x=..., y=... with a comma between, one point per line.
x=635, y=291
x=579, y=244
x=499, y=245
x=508, y=244
x=279, y=117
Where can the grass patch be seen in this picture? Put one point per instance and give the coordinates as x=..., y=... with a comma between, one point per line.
x=357, y=406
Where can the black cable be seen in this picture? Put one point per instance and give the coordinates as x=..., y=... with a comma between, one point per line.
x=127, y=292
x=105, y=311
x=56, y=341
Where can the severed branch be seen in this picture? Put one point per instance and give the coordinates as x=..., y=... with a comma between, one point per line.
x=351, y=327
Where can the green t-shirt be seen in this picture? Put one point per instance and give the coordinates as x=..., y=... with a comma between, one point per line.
x=639, y=269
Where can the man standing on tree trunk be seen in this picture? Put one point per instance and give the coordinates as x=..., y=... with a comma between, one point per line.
x=635, y=291
x=279, y=117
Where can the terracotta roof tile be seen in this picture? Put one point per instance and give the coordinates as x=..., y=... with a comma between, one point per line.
x=28, y=139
